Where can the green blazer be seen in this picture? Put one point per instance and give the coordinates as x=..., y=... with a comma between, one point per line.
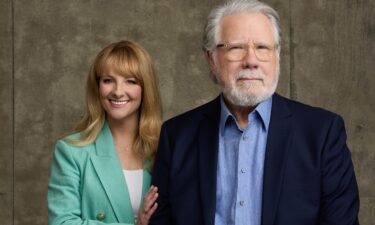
x=87, y=185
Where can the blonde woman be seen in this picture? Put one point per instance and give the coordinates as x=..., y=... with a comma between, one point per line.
x=100, y=174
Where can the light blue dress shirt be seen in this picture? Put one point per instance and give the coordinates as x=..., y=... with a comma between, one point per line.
x=240, y=166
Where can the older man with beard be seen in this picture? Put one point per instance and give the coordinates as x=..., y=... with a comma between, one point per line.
x=251, y=156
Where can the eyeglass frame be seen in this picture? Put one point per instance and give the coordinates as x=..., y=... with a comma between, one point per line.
x=246, y=46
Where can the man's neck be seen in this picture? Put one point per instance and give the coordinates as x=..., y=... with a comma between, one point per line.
x=241, y=113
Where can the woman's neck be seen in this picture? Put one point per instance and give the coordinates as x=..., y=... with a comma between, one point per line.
x=124, y=132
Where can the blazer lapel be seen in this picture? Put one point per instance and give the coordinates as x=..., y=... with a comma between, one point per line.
x=109, y=171
x=278, y=142
x=207, y=153
x=146, y=181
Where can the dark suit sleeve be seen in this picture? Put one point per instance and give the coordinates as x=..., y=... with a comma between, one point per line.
x=160, y=179
x=340, y=200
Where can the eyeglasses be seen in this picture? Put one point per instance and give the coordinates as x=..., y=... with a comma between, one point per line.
x=238, y=51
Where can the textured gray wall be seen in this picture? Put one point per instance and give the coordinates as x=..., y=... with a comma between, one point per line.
x=6, y=114
x=47, y=47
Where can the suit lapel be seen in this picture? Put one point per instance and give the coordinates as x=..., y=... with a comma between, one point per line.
x=207, y=153
x=278, y=142
x=109, y=171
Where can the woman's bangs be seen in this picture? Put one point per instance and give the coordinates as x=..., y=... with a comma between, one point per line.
x=123, y=63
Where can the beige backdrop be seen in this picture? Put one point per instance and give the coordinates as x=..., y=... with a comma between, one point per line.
x=47, y=46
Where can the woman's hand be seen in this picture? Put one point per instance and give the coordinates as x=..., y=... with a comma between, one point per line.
x=148, y=207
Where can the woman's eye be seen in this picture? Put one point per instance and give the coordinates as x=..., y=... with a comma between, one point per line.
x=131, y=81
x=107, y=80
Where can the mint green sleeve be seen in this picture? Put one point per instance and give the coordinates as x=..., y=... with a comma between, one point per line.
x=63, y=197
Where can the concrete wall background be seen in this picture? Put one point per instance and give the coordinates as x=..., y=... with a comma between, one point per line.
x=47, y=47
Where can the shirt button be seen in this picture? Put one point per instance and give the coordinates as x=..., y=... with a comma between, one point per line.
x=242, y=203
x=245, y=138
x=243, y=170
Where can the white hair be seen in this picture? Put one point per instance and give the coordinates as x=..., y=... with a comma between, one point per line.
x=212, y=28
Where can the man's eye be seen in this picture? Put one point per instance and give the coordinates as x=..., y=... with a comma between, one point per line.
x=235, y=47
x=263, y=47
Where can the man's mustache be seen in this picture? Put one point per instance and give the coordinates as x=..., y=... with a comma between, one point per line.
x=250, y=74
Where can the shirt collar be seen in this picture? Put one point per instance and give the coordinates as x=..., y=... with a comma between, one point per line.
x=263, y=110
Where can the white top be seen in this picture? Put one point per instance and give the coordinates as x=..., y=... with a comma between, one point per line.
x=134, y=180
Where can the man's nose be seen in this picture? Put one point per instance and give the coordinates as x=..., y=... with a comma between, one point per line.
x=250, y=60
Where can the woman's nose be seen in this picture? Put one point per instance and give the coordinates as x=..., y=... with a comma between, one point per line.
x=118, y=90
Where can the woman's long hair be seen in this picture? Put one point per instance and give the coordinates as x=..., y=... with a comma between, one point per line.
x=130, y=60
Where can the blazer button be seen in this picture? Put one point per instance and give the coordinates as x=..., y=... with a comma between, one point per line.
x=100, y=216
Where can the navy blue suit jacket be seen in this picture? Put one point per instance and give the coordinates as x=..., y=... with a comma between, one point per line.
x=308, y=172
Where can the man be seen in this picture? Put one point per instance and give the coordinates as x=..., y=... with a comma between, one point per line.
x=251, y=156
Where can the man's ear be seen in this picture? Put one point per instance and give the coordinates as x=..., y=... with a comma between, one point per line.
x=211, y=63
x=210, y=60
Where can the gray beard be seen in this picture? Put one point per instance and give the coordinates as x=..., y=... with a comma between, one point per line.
x=240, y=95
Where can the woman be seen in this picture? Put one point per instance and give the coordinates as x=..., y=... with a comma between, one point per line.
x=101, y=173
